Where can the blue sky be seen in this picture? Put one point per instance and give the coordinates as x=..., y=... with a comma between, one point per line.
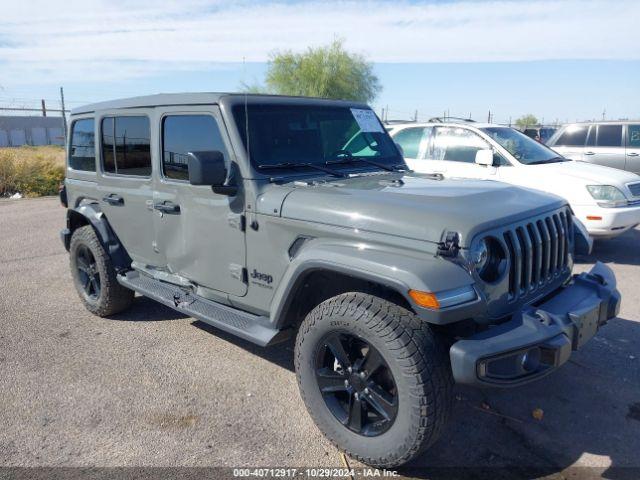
x=563, y=60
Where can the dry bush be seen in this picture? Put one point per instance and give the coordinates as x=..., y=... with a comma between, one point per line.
x=31, y=171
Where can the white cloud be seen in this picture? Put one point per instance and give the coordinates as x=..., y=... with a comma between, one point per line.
x=46, y=41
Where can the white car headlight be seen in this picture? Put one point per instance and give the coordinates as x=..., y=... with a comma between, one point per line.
x=607, y=195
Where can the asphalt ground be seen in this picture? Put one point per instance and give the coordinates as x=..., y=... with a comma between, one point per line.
x=151, y=387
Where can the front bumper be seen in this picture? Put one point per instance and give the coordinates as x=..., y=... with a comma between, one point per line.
x=538, y=339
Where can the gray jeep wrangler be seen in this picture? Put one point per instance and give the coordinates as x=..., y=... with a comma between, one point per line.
x=271, y=216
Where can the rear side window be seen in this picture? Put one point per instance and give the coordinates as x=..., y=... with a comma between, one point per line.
x=409, y=139
x=633, y=136
x=573, y=136
x=182, y=134
x=126, y=146
x=82, y=154
x=609, y=136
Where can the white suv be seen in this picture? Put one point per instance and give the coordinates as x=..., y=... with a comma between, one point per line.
x=605, y=199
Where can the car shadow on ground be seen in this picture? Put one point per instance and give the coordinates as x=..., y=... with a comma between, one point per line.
x=144, y=309
x=280, y=354
x=622, y=250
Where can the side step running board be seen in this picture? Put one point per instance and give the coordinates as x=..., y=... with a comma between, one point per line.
x=245, y=325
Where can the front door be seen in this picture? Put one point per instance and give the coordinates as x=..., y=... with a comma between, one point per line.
x=608, y=149
x=199, y=233
x=632, y=163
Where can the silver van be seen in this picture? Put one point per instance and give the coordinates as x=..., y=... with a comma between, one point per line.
x=612, y=144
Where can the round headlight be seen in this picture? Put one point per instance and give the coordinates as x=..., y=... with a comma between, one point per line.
x=480, y=255
x=489, y=259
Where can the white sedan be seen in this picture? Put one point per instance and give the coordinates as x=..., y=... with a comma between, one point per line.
x=606, y=200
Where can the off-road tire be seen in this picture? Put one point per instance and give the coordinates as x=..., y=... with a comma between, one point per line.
x=417, y=358
x=113, y=297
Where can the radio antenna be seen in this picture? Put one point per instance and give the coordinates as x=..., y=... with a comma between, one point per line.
x=246, y=111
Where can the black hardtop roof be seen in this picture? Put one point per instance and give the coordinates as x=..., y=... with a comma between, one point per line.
x=207, y=98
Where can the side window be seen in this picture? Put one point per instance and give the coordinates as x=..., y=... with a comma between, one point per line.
x=609, y=136
x=126, y=146
x=573, y=136
x=182, y=134
x=82, y=155
x=633, y=136
x=409, y=139
x=457, y=145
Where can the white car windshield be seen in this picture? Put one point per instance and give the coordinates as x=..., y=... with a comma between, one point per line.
x=523, y=148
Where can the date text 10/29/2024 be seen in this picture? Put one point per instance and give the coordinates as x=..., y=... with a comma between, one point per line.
x=313, y=473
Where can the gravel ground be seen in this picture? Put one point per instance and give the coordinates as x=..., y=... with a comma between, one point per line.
x=151, y=387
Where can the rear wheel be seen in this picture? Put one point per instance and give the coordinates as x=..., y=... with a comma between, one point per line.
x=374, y=377
x=94, y=276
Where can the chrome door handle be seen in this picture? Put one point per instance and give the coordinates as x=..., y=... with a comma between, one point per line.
x=632, y=154
x=167, y=207
x=589, y=153
x=113, y=199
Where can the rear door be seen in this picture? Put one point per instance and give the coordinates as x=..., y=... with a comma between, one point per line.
x=125, y=187
x=415, y=143
x=632, y=161
x=571, y=141
x=199, y=234
x=608, y=149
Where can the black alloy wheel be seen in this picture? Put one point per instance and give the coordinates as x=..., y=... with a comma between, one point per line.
x=88, y=273
x=356, y=384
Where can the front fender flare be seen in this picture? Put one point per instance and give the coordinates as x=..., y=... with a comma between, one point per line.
x=388, y=266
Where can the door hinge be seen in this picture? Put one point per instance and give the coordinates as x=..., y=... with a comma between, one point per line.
x=237, y=221
x=239, y=272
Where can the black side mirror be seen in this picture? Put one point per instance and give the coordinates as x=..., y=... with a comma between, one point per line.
x=208, y=168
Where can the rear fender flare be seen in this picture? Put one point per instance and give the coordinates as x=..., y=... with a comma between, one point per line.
x=90, y=213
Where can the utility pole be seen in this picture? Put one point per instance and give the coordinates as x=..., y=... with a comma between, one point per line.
x=415, y=116
x=64, y=115
x=44, y=108
x=489, y=117
x=604, y=113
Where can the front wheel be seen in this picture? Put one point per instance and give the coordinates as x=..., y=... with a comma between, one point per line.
x=374, y=377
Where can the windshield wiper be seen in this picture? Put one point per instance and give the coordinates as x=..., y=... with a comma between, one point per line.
x=303, y=165
x=347, y=157
x=549, y=160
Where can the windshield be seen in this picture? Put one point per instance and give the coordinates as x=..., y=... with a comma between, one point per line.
x=312, y=134
x=523, y=148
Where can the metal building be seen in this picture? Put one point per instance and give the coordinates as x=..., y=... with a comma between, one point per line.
x=21, y=130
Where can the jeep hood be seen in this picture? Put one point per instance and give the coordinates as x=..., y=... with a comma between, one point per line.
x=414, y=206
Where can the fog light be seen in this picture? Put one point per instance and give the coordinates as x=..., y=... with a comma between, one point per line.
x=530, y=360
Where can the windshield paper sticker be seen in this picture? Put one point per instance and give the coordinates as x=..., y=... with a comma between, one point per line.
x=367, y=120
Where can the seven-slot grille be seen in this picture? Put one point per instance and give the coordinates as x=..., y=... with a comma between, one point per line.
x=634, y=188
x=538, y=251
